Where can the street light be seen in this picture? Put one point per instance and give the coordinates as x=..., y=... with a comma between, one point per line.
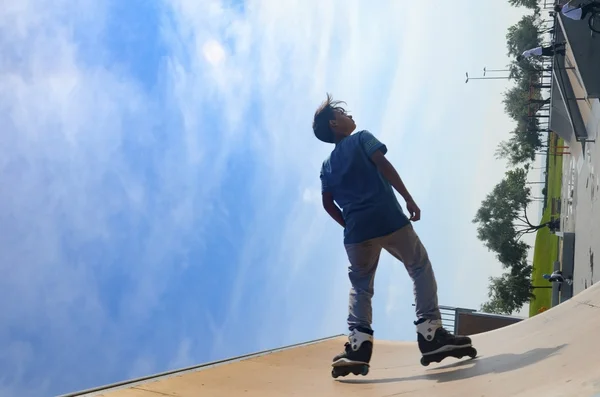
x=494, y=70
x=485, y=78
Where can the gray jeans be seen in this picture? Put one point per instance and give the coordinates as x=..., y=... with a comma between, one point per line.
x=404, y=245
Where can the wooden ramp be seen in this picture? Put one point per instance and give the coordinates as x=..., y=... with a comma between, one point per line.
x=556, y=353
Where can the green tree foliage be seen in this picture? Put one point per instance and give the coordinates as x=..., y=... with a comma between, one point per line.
x=523, y=35
x=512, y=251
x=516, y=100
x=524, y=98
x=520, y=148
x=520, y=102
x=503, y=220
x=497, y=214
x=524, y=69
x=509, y=292
x=533, y=4
x=513, y=151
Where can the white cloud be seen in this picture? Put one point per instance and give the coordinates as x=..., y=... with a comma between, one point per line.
x=183, y=356
x=311, y=195
x=213, y=52
x=141, y=366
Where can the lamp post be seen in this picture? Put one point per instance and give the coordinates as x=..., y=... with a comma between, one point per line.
x=494, y=70
x=486, y=78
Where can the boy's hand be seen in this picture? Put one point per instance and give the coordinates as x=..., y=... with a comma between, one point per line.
x=413, y=210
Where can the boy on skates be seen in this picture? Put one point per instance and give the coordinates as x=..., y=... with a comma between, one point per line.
x=358, y=177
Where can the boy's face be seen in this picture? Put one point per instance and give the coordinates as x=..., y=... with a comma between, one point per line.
x=343, y=124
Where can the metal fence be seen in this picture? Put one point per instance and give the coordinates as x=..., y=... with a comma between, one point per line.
x=449, y=315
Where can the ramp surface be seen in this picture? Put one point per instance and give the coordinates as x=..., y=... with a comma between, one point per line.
x=555, y=353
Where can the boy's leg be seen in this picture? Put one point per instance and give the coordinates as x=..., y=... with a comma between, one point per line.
x=405, y=245
x=363, y=258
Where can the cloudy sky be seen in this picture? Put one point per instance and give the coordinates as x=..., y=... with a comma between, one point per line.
x=160, y=200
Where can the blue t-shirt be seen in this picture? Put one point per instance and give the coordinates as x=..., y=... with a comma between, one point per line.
x=368, y=202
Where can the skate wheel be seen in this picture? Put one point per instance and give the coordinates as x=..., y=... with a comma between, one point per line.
x=473, y=353
x=362, y=370
x=424, y=362
x=334, y=374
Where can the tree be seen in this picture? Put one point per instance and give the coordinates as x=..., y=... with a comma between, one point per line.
x=512, y=251
x=521, y=146
x=523, y=35
x=515, y=152
x=509, y=292
x=518, y=98
x=498, y=211
x=503, y=220
x=533, y=4
x=524, y=226
x=516, y=101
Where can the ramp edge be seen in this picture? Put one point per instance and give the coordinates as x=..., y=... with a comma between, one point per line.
x=130, y=382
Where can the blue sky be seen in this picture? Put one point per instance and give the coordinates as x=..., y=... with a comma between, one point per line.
x=161, y=203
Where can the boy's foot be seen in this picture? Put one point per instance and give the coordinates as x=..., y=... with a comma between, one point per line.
x=433, y=338
x=356, y=355
x=358, y=349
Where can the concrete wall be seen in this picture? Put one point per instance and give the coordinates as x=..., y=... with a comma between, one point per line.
x=560, y=119
x=567, y=265
x=475, y=323
x=565, y=118
x=586, y=51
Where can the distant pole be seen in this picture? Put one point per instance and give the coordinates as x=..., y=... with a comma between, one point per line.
x=494, y=70
x=485, y=78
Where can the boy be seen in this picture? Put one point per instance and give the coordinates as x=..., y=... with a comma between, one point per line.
x=358, y=177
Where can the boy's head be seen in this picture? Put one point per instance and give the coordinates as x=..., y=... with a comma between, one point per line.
x=331, y=123
x=558, y=8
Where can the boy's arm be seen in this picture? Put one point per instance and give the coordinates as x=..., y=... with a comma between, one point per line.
x=332, y=209
x=328, y=203
x=376, y=152
x=389, y=172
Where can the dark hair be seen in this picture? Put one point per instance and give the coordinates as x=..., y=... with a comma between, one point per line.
x=557, y=8
x=324, y=113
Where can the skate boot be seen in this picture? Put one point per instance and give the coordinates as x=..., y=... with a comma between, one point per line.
x=436, y=343
x=356, y=355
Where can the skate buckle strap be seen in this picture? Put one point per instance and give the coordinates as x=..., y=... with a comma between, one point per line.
x=357, y=338
x=427, y=328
